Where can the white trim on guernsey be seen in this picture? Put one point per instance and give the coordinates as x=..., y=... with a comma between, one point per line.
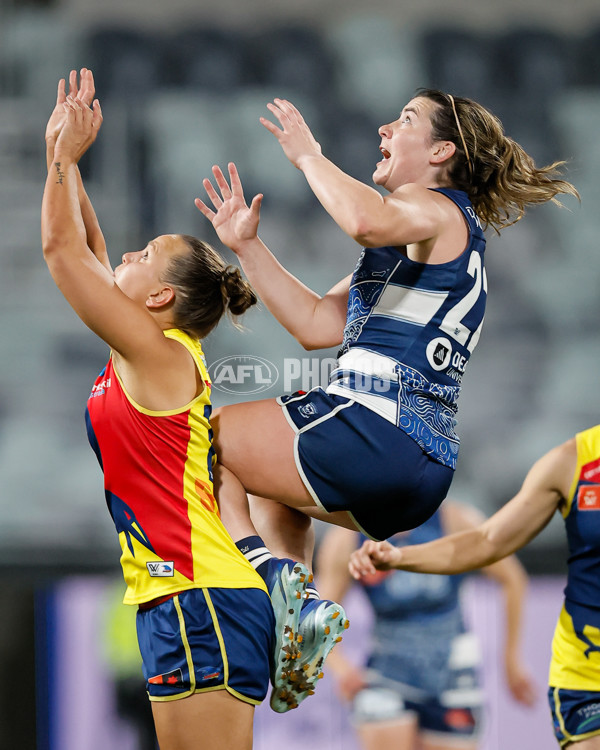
x=368, y=363
x=380, y=404
x=415, y=306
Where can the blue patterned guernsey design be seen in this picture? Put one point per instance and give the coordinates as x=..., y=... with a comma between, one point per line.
x=427, y=414
x=410, y=330
x=401, y=595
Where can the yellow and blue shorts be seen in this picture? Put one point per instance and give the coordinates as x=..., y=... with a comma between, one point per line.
x=207, y=639
x=575, y=714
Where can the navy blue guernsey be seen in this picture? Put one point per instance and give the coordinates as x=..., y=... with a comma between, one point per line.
x=400, y=595
x=410, y=330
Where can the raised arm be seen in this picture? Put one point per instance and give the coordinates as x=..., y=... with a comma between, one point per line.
x=316, y=322
x=85, y=282
x=512, y=578
x=509, y=529
x=85, y=91
x=409, y=214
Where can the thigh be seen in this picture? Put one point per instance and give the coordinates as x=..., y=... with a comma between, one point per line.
x=592, y=743
x=204, y=721
x=446, y=743
x=399, y=734
x=255, y=442
x=382, y=719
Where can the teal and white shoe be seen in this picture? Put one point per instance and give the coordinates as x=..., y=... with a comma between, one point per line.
x=320, y=627
x=286, y=581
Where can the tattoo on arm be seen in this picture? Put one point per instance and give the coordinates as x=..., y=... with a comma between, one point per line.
x=59, y=173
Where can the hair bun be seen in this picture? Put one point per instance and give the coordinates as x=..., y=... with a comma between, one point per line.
x=237, y=291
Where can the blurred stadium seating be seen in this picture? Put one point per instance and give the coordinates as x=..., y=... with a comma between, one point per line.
x=178, y=100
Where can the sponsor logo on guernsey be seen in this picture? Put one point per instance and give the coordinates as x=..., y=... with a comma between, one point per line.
x=451, y=373
x=161, y=569
x=439, y=353
x=99, y=389
x=591, y=472
x=473, y=215
x=588, y=498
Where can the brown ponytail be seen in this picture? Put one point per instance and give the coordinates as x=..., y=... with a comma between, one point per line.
x=206, y=288
x=497, y=174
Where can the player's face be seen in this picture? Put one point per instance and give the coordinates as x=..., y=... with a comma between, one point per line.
x=406, y=146
x=141, y=272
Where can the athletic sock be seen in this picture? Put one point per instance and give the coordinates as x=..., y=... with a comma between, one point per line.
x=254, y=550
x=311, y=592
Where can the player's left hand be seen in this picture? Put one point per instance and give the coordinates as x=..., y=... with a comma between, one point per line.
x=294, y=136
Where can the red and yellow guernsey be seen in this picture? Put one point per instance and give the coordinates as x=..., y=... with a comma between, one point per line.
x=159, y=489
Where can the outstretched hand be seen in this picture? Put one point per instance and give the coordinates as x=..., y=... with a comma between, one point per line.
x=294, y=136
x=373, y=556
x=80, y=128
x=84, y=90
x=234, y=221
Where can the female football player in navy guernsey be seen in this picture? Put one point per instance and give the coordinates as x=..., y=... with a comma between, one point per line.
x=376, y=449
x=205, y=623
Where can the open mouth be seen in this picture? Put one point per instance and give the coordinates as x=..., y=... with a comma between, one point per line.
x=385, y=152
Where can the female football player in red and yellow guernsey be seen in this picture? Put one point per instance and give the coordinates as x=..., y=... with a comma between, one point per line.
x=205, y=622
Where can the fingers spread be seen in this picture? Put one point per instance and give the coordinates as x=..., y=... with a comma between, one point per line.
x=269, y=126
x=279, y=113
x=222, y=182
x=212, y=193
x=204, y=209
x=234, y=178
x=289, y=109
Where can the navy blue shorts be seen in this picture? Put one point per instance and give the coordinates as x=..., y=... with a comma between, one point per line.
x=375, y=705
x=575, y=714
x=352, y=459
x=207, y=639
x=426, y=669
